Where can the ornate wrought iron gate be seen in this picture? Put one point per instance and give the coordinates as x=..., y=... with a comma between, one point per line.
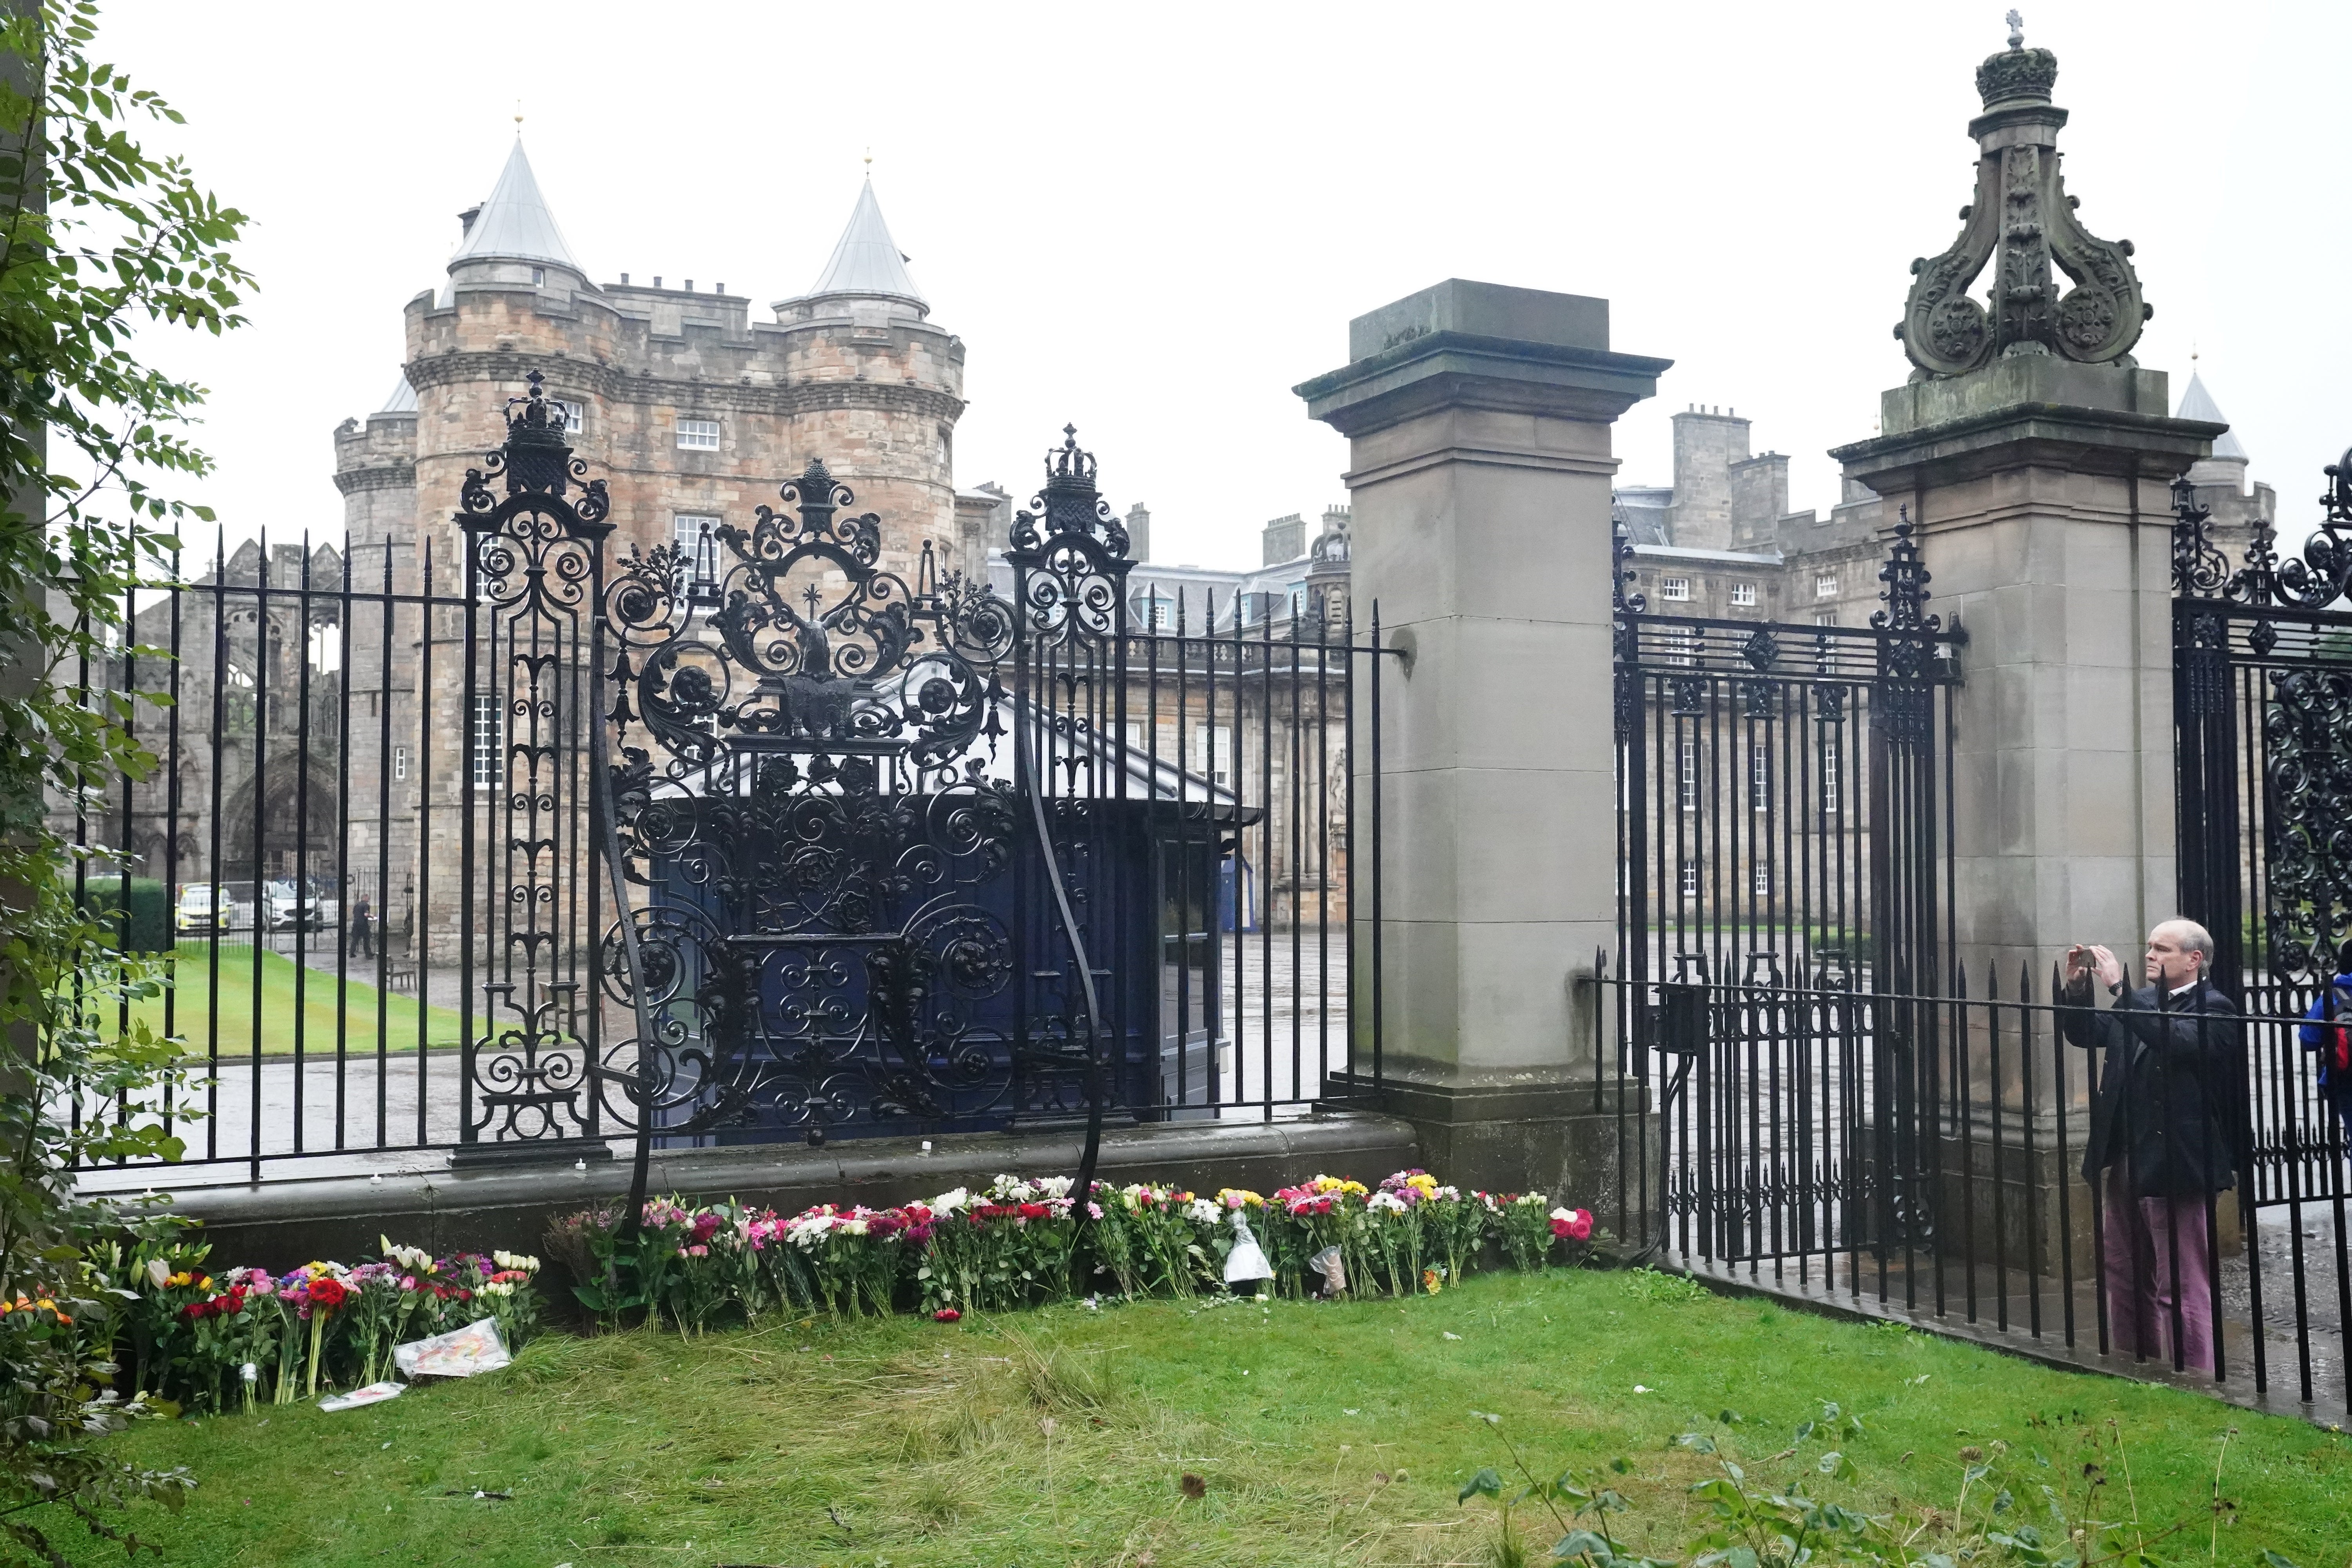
x=2262, y=731
x=1784, y=910
x=904, y=849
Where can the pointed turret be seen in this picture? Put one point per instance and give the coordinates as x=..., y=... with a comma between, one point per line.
x=511, y=231
x=866, y=266
x=401, y=398
x=2226, y=469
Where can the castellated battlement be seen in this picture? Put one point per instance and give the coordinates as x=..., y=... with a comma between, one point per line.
x=694, y=410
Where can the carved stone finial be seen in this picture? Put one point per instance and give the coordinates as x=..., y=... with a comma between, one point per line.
x=2023, y=222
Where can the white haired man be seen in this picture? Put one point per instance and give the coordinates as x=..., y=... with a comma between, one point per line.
x=2160, y=1134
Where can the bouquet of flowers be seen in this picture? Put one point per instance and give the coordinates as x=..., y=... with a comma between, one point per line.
x=315, y=1293
x=1229, y=1202
x=1524, y=1225
x=1571, y=1228
x=853, y=1255
x=1003, y=1248
x=1168, y=1225
x=373, y=1315
x=1392, y=1240
x=1454, y=1227
x=226, y=1341
x=1114, y=1237
x=695, y=1283
x=507, y=1292
x=1304, y=1219
x=783, y=1269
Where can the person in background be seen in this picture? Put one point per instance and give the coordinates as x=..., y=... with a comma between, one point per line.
x=363, y=929
x=2329, y=1036
x=2160, y=1135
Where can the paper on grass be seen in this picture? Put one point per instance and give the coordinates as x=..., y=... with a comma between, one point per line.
x=460, y=1352
x=373, y=1393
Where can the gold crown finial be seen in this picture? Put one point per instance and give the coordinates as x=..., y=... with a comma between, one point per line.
x=869, y=160
x=517, y=116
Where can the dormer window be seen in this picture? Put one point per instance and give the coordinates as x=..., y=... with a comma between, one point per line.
x=698, y=434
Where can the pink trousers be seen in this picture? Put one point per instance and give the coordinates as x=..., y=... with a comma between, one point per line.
x=2143, y=1237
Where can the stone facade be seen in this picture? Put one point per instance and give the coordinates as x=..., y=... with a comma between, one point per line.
x=1721, y=543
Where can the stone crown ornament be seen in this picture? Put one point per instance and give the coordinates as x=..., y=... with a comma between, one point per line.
x=2023, y=221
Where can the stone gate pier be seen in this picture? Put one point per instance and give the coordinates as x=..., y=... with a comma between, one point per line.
x=1478, y=419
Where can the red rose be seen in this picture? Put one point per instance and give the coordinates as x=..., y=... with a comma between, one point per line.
x=1032, y=1211
x=947, y=1315
x=193, y=1311
x=1560, y=1227
x=327, y=1294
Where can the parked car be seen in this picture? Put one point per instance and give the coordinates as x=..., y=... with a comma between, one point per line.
x=295, y=908
x=207, y=907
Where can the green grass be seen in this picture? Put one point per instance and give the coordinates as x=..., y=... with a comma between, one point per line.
x=192, y=1006
x=1324, y=1434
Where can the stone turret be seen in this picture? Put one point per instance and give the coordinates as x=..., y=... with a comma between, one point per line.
x=705, y=411
x=375, y=470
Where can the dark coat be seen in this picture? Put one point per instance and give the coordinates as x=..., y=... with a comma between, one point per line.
x=2168, y=1088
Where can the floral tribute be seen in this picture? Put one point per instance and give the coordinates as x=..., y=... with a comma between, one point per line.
x=1019, y=1242
x=243, y=1338
x=246, y=1337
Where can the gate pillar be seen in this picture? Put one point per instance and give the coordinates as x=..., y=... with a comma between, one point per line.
x=2039, y=492
x=1480, y=476
x=2035, y=457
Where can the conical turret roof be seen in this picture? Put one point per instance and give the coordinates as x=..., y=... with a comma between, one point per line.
x=515, y=223
x=401, y=398
x=2198, y=403
x=866, y=260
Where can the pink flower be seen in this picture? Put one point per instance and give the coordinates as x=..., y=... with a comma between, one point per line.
x=947, y=1315
x=1094, y=1210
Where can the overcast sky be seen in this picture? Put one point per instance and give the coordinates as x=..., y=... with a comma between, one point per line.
x=1155, y=220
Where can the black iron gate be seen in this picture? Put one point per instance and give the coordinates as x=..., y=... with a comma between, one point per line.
x=2262, y=729
x=902, y=850
x=1784, y=920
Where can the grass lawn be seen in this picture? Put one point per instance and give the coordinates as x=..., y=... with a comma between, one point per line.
x=1320, y=1434
x=192, y=1009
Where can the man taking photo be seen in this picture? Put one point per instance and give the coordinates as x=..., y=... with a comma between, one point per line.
x=2160, y=1134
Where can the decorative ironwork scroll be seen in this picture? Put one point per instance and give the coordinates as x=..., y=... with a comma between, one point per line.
x=808, y=795
x=534, y=525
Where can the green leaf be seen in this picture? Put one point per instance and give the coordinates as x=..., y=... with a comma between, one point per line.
x=1584, y=1543
x=1486, y=1480
x=1804, y=1430
x=1836, y=1466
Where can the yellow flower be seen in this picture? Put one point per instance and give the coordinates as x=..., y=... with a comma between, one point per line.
x=176, y=1280
x=1429, y=1281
